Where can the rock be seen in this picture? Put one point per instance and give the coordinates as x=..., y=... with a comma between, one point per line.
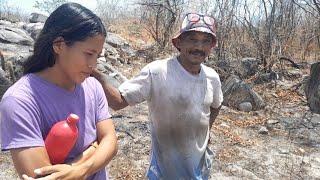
x=288, y=123
x=283, y=151
x=15, y=49
x=38, y=17
x=315, y=120
x=249, y=67
x=236, y=92
x=110, y=50
x=118, y=42
x=3, y=79
x=19, y=24
x=302, y=85
x=113, y=60
x=224, y=126
x=266, y=77
x=126, y=48
x=4, y=22
x=33, y=29
x=263, y=130
x=312, y=89
x=4, y=83
x=237, y=170
x=293, y=74
x=272, y=121
x=14, y=35
x=115, y=40
x=245, y=106
x=302, y=151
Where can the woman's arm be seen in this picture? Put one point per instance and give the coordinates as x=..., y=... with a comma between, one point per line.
x=26, y=160
x=102, y=155
x=107, y=148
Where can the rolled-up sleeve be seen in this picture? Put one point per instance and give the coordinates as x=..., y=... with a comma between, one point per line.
x=137, y=89
x=217, y=93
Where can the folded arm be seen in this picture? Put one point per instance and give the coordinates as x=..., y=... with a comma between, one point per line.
x=84, y=168
x=34, y=162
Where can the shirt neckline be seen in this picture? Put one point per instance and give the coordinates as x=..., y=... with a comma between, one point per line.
x=188, y=74
x=52, y=85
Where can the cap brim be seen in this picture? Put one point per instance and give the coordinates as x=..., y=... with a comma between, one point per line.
x=198, y=29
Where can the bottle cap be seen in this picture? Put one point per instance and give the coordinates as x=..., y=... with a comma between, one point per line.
x=73, y=119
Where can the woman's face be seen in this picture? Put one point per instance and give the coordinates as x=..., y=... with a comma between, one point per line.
x=77, y=61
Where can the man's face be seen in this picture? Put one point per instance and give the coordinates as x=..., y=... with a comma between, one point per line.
x=195, y=46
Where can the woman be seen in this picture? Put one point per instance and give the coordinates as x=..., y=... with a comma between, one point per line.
x=56, y=83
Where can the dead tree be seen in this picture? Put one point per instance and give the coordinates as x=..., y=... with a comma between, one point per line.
x=161, y=19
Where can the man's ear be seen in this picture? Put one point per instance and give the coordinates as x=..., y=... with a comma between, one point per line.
x=58, y=44
x=178, y=43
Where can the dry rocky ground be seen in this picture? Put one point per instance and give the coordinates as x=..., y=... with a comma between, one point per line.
x=279, y=142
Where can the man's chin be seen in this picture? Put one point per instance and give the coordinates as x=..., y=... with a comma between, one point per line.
x=197, y=61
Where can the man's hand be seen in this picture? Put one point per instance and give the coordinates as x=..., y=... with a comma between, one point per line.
x=115, y=99
x=59, y=171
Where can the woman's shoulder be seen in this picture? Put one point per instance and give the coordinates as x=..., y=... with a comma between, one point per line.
x=20, y=89
x=91, y=85
x=90, y=82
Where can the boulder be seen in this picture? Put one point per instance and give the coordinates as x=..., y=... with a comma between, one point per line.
x=312, y=89
x=4, y=83
x=38, y=17
x=33, y=29
x=249, y=67
x=4, y=22
x=14, y=36
x=236, y=92
x=115, y=40
x=245, y=106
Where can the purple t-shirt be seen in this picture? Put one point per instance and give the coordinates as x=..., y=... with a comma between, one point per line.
x=33, y=105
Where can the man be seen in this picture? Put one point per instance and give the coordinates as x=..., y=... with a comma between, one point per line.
x=184, y=97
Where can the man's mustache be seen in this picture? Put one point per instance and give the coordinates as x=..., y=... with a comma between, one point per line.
x=198, y=52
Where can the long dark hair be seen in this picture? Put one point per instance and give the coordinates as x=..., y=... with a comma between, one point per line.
x=72, y=22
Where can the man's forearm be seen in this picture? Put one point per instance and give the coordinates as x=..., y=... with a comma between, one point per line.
x=214, y=112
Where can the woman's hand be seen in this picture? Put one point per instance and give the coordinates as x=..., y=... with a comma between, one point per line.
x=59, y=171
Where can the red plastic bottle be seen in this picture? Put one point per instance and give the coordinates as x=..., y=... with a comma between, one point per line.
x=61, y=139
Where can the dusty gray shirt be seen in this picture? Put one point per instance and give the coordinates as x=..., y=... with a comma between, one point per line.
x=179, y=111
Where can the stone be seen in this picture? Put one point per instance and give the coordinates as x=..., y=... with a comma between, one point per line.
x=263, y=130
x=312, y=89
x=245, y=106
x=38, y=17
x=236, y=91
x=249, y=67
x=15, y=36
x=272, y=121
